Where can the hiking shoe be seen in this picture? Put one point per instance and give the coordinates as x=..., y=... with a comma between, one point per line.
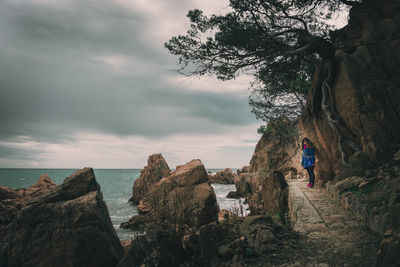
x=309, y=185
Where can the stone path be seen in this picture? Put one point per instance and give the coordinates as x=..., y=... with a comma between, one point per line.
x=326, y=235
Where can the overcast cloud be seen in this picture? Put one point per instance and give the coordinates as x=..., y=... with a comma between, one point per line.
x=89, y=83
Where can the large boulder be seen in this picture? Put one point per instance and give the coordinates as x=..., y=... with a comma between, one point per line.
x=184, y=196
x=225, y=176
x=156, y=169
x=275, y=194
x=69, y=226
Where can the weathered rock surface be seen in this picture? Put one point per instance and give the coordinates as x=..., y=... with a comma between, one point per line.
x=69, y=226
x=248, y=183
x=156, y=169
x=244, y=169
x=184, y=196
x=365, y=92
x=13, y=200
x=259, y=232
x=225, y=176
x=275, y=194
x=246, y=242
x=278, y=149
x=373, y=200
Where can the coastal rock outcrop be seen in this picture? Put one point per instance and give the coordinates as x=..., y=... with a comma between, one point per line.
x=156, y=169
x=225, y=176
x=16, y=199
x=68, y=226
x=13, y=200
x=279, y=149
x=365, y=93
x=185, y=196
x=244, y=169
x=275, y=192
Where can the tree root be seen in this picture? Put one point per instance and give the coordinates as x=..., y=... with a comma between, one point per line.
x=328, y=106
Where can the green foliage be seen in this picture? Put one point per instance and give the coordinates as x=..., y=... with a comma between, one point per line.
x=261, y=129
x=279, y=43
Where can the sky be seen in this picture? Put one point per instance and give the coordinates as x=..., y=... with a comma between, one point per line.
x=89, y=83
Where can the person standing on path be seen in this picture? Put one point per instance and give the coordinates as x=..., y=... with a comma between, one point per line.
x=308, y=160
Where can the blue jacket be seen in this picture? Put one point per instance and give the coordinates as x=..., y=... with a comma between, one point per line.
x=308, y=153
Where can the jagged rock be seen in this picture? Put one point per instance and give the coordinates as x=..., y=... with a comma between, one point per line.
x=69, y=226
x=13, y=200
x=185, y=195
x=135, y=223
x=275, y=194
x=248, y=183
x=244, y=169
x=278, y=149
x=156, y=169
x=225, y=176
x=20, y=197
x=259, y=232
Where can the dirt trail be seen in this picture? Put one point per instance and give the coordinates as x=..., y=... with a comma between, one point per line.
x=326, y=235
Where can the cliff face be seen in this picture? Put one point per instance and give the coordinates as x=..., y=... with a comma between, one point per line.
x=278, y=149
x=366, y=93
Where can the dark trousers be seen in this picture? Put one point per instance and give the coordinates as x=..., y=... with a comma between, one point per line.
x=311, y=175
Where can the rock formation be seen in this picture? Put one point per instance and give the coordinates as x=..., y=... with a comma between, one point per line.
x=225, y=176
x=185, y=197
x=156, y=169
x=279, y=149
x=275, y=194
x=244, y=243
x=69, y=226
x=244, y=169
x=13, y=200
x=365, y=93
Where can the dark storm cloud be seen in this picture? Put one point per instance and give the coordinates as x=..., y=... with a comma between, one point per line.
x=15, y=153
x=58, y=77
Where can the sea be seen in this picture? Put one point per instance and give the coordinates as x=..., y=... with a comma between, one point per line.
x=116, y=185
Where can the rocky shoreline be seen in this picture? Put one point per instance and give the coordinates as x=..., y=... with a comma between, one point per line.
x=69, y=224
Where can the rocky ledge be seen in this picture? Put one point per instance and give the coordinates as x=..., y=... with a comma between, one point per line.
x=67, y=226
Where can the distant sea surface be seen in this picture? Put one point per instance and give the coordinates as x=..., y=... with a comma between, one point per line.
x=116, y=185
